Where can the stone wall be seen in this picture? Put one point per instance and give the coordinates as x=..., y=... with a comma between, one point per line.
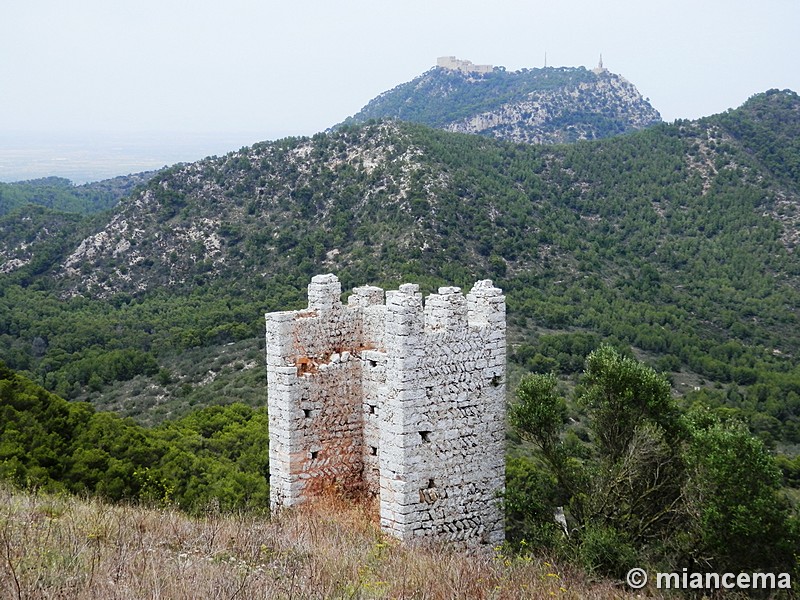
x=465, y=66
x=400, y=399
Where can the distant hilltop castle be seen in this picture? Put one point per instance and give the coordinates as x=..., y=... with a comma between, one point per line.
x=465, y=66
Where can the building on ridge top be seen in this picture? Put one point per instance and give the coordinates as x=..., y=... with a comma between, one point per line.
x=465, y=66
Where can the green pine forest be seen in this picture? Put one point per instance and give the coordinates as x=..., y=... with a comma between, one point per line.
x=137, y=372
x=61, y=195
x=572, y=97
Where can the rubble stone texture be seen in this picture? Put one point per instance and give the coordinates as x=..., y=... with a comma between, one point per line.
x=396, y=399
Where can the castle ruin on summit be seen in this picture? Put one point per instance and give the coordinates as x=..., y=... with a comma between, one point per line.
x=452, y=63
x=394, y=398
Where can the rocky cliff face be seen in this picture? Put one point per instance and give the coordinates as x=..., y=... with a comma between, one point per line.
x=551, y=105
x=605, y=105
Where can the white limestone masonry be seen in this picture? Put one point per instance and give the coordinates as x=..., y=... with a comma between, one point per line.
x=465, y=66
x=394, y=398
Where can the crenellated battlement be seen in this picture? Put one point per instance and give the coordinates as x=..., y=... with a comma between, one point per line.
x=393, y=396
x=324, y=293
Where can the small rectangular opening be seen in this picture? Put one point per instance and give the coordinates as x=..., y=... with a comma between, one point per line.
x=372, y=408
x=307, y=413
x=425, y=435
x=431, y=484
x=373, y=451
x=314, y=454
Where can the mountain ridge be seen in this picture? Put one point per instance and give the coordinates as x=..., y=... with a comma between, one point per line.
x=549, y=105
x=675, y=244
x=283, y=179
x=677, y=239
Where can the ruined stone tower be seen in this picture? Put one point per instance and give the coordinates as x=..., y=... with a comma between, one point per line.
x=396, y=399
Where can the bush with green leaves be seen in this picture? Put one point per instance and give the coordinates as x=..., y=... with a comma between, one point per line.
x=652, y=484
x=739, y=517
x=216, y=456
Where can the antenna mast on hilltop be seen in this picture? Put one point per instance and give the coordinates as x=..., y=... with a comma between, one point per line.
x=545, y=59
x=600, y=68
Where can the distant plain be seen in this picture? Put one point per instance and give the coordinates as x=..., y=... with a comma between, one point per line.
x=86, y=157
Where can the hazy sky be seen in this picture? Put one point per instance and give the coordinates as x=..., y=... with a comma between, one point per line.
x=268, y=69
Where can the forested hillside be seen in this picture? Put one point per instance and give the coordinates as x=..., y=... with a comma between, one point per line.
x=60, y=194
x=678, y=241
x=217, y=455
x=550, y=105
x=41, y=217
x=670, y=249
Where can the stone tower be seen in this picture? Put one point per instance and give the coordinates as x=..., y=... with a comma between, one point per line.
x=397, y=398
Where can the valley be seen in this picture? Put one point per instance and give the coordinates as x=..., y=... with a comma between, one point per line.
x=671, y=243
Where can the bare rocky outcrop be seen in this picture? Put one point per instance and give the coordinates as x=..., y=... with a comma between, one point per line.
x=534, y=106
x=563, y=115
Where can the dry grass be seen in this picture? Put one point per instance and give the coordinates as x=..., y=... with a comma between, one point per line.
x=63, y=547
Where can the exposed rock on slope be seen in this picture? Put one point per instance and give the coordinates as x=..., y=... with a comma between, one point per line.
x=672, y=239
x=373, y=200
x=550, y=105
x=586, y=110
x=251, y=211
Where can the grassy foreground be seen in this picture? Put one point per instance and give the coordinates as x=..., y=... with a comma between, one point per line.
x=64, y=547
